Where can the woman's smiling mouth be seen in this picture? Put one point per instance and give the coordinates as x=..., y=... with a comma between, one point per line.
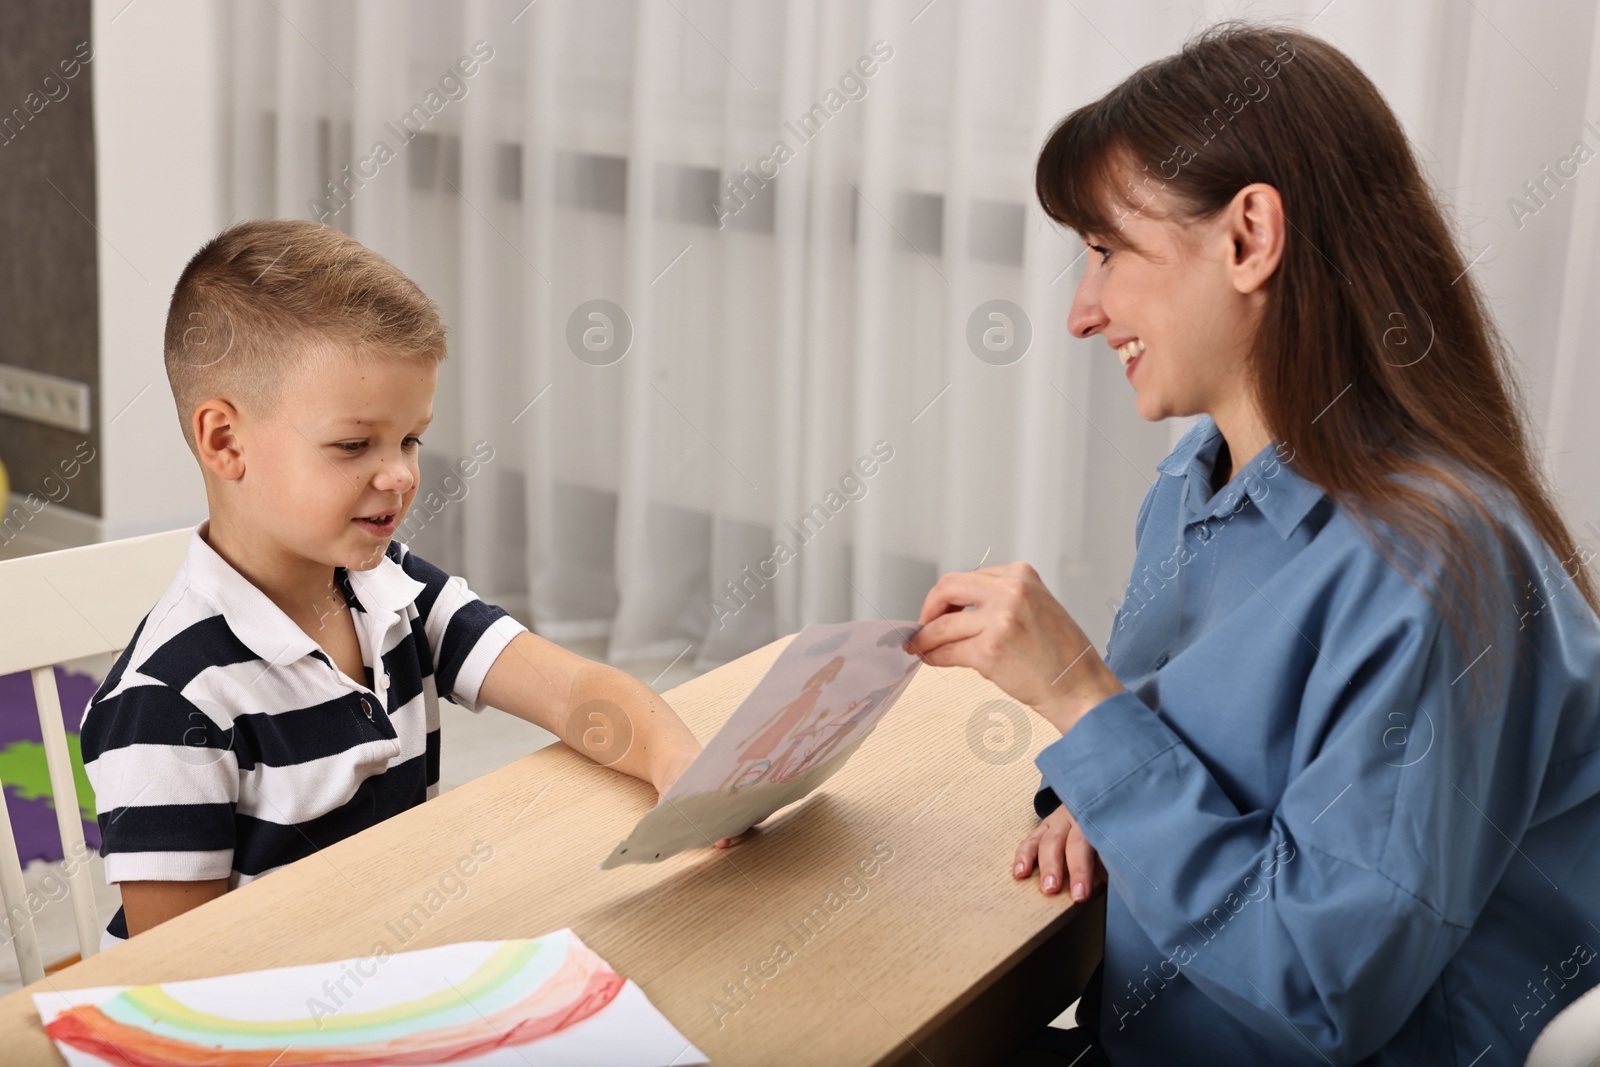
x=1130, y=352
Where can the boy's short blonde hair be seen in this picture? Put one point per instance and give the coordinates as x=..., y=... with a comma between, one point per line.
x=264, y=297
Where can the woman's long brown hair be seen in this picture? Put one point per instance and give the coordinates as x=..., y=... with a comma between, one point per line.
x=1376, y=359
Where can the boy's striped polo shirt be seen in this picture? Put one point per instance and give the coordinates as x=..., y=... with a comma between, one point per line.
x=224, y=743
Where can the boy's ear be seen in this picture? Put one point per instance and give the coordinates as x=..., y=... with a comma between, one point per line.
x=216, y=437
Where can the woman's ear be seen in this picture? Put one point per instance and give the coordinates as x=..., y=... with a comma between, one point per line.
x=216, y=437
x=1257, y=225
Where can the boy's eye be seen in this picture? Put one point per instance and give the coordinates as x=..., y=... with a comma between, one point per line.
x=410, y=443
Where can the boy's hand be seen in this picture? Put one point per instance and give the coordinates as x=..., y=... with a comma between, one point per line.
x=676, y=765
x=596, y=710
x=674, y=771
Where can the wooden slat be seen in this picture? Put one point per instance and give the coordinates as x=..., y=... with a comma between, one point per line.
x=69, y=823
x=18, y=924
x=906, y=955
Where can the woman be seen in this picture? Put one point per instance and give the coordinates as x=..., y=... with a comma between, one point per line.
x=1340, y=761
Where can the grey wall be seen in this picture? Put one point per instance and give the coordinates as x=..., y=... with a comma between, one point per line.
x=48, y=287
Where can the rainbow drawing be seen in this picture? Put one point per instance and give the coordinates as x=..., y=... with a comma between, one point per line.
x=455, y=1004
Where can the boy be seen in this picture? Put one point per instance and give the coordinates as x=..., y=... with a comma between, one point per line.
x=283, y=693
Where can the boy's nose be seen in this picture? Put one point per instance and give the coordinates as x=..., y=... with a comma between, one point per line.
x=394, y=475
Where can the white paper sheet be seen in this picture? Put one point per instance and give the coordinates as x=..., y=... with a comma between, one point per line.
x=806, y=716
x=547, y=1000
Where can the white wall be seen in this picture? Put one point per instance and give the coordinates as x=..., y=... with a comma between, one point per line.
x=159, y=98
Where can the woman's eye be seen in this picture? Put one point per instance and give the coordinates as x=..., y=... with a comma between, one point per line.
x=1105, y=253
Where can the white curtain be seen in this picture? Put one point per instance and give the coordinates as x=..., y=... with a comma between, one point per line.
x=800, y=429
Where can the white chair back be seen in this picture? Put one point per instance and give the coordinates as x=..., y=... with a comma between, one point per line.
x=60, y=606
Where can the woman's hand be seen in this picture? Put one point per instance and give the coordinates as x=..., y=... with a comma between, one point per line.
x=1016, y=635
x=1057, y=843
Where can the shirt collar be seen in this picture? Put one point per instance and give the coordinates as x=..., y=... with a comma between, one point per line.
x=386, y=588
x=1268, y=480
x=260, y=624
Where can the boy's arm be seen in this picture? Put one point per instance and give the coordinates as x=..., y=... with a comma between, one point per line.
x=166, y=784
x=604, y=713
x=147, y=904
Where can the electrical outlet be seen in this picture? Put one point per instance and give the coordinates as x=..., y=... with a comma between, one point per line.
x=31, y=394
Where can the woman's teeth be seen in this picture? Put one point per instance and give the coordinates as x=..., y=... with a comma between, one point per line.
x=1128, y=351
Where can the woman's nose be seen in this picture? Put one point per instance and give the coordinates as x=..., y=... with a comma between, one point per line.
x=1086, y=315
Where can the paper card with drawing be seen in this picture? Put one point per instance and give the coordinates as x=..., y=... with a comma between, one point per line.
x=806, y=715
x=549, y=1000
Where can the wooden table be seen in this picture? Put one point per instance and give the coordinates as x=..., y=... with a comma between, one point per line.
x=934, y=957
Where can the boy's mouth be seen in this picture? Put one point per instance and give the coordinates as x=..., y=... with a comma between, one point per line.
x=378, y=525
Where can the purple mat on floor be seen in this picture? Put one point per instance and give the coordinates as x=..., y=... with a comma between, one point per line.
x=23, y=769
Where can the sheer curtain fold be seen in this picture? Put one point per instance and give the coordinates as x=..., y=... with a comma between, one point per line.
x=795, y=221
x=879, y=283
x=541, y=32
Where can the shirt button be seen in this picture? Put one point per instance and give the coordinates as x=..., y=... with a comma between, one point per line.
x=1161, y=660
x=1204, y=533
x=366, y=706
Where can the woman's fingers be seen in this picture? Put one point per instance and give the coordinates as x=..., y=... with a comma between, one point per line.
x=1052, y=857
x=1061, y=853
x=953, y=592
x=1027, y=853
x=944, y=631
x=1081, y=861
